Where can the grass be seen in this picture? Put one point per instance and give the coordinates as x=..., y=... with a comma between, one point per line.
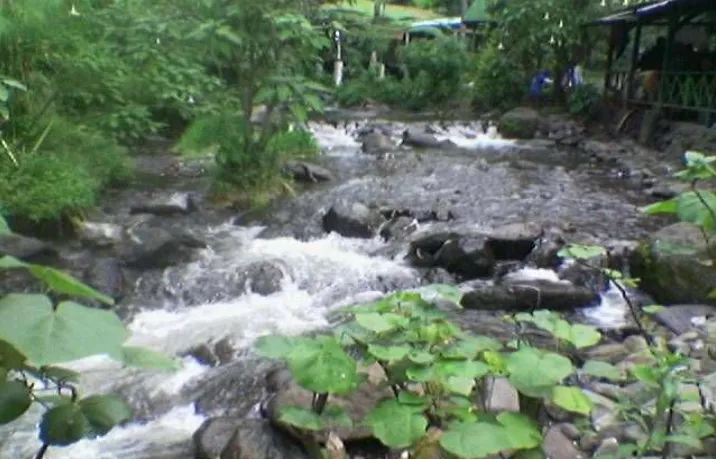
x=391, y=11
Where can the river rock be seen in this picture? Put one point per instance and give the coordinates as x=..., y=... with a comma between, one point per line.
x=213, y=353
x=672, y=276
x=176, y=203
x=678, y=318
x=424, y=140
x=357, y=406
x=26, y=248
x=232, y=437
x=376, y=143
x=352, y=220
x=99, y=234
x=398, y=228
x=106, y=276
x=462, y=255
x=261, y=277
x=514, y=241
x=557, y=444
x=519, y=123
x=502, y=396
x=148, y=247
x=302, y=171
x=531, y=295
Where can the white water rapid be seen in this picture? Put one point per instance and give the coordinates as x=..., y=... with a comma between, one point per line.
x=319, y=275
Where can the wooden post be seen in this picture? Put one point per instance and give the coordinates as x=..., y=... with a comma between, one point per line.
x=630, y=87
x=673, y=28
x=610, y=59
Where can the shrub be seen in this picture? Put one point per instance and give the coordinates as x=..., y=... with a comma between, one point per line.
x=497, y=81
x=584, y=100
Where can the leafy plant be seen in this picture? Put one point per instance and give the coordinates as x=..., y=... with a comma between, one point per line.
x=583, y=100
x=435, y=372
x=36, y=334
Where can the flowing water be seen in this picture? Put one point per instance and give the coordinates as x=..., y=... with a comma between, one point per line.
x=320, y=273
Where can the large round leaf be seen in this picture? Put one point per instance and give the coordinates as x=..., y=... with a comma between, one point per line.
x=61, y=282
x=48, y=336
x=535, y=373
x=64, y=425
x=14, y=400
x=322, y=366
x=397, y=425
x=104, y=412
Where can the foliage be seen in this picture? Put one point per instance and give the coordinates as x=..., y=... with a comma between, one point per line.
x=583, y=100
x=497, y=81
x=36, y=334
x=435, y=371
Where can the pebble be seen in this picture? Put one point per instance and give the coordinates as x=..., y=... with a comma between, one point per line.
x=557, y=445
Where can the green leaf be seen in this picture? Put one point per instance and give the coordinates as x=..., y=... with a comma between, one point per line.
x=487, y=439
x=445, y=292
x=421, y=357
x=274, y=346
x=662, y=207
x=412, y=399
x=61, y=282
x=646, y=374
x=14, y=84
x=4, y=93
x=376, y=322
x=104, y=412
x=583, y=336
x=535, y=373
x=390, y=354
x=49, y=336
x=301, y=418
x=64, y=425
x=652, y=309
x=335, y=416
x=602, y=370
x=581, y=252
x=397, y=425
x=460, y=385
x=15, y=399
x=10, y=357
x=685, y=439
x=321, y=365
x=697, y=207
x=4, y=227
x=572, y=399
x=11, y=262
x=144, y=358
x=461, y=368
x=471, y=346
x=420, y=373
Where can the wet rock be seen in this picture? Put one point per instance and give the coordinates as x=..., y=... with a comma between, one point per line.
x=303, y=171
x=502, y=396
x=587, y=275
x=357, y=405
x=557, y=445
x=530, y=295
x=438, y=276
x=545, y=254
x=261, y=277
x=99, y=234
x=608, y=448
x=429, y=445
x=106, y=276
x=259, y=439
x=25, y=248
x=419, y=215
x=232, y=389
x=519, y=123
x=232, y=437
x=514, y=241
x=352, y=220
x=671, y=275
x=213, y=354
x=462, y=255
x=424, y=140
x=609, y=352
x=376, y=143
x=678, y=318
x=398, y=228
x=147, y=247
x=176, y=203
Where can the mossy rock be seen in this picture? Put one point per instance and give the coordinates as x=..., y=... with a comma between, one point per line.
x=671, y=266
x=519, y=123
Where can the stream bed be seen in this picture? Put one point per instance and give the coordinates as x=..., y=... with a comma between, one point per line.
x=485, y=182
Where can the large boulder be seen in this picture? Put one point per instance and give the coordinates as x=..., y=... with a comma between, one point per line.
x=461, y=255
x=27, y=248
x=376, y=143
x=526, y=296
x=424, y=140
x=356, y=405
x=148, y=247
x=302, y=171
x=519, y=123
x=667, y=263
x=100, y=234
x=176, y=203
x=232, y=437
x=106, y=275
x=352, y=220
x=263, y=277
x=514, y=241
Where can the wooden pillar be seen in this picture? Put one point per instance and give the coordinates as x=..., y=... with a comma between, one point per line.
x=630, y=87
x=610, y=60
x=666, y=65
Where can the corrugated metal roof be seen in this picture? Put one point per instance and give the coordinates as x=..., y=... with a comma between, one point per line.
x=653, y=9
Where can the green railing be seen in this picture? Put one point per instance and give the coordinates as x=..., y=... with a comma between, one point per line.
x=689, y=90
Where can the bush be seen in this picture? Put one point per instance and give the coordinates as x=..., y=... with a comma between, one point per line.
x=497, y=81
x=584, y=100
